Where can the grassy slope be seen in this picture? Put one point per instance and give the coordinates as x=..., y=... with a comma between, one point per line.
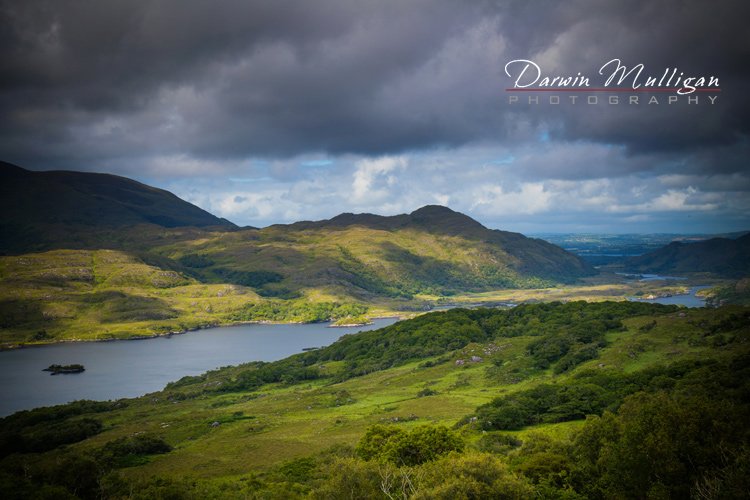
x=94, y=295
x=144, y=287
x=263, y=428
x=102, y=294
x=361, y=261
x=373, y=257
x=737, y=292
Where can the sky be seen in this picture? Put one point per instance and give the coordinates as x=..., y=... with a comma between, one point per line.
x=276, y=111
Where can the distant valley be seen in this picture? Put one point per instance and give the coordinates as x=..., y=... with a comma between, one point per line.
x=725, y=257
x=604, y=249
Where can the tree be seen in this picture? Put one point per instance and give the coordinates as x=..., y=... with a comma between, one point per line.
x=661, y=445
x=393, y=445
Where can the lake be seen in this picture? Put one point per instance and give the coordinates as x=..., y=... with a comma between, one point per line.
x=131, y=368
x=687, y=300
x=650, y=277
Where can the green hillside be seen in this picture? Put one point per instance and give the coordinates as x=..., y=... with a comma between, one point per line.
x=103, y=294
x=721, y=256
x=576, y=400
x=166, y=258
x=173, y=279
x=433, y=250
x=106, y=294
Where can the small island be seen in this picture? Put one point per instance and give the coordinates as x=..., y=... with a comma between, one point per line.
x=58, y=369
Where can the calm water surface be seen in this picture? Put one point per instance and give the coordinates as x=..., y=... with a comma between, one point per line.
x=131, y=368
x=688, y=300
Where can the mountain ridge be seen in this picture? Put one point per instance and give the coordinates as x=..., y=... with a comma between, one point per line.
x=89, y=239
x=433, y=245
x=35, y=205
x=438, y=247
x=425, y=217
x=723, y=256
x=441, y=220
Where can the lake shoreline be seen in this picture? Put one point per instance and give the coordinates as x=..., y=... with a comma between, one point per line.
x=27, y=345
x=115, y=370
x=400, y=316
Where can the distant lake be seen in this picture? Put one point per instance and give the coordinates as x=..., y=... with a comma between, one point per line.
x=650, y=277
x=687, y=300
x=131, y=368
x=658, y=277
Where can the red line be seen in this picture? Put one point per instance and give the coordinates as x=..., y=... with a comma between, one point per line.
x=613, y=89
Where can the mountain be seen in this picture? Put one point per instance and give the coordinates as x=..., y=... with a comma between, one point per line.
x=39, y=209
x=431, y=218
x=99, y=256
x=433, y=250
x=722, y=256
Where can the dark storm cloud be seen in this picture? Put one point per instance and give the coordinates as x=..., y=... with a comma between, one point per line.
x=238, y=78
x=697, y=38
x=87, y=82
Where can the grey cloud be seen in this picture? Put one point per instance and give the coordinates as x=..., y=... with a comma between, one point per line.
x=500, y=196
x=128, y=82
x=698, y=38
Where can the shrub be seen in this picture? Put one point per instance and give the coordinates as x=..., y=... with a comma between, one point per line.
x=348, y=478
x=426, y=392
x=45, y=437
x=399, y=447
x=132, y=450
x=493, y=442
x=471, y=475
x=195, y=260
